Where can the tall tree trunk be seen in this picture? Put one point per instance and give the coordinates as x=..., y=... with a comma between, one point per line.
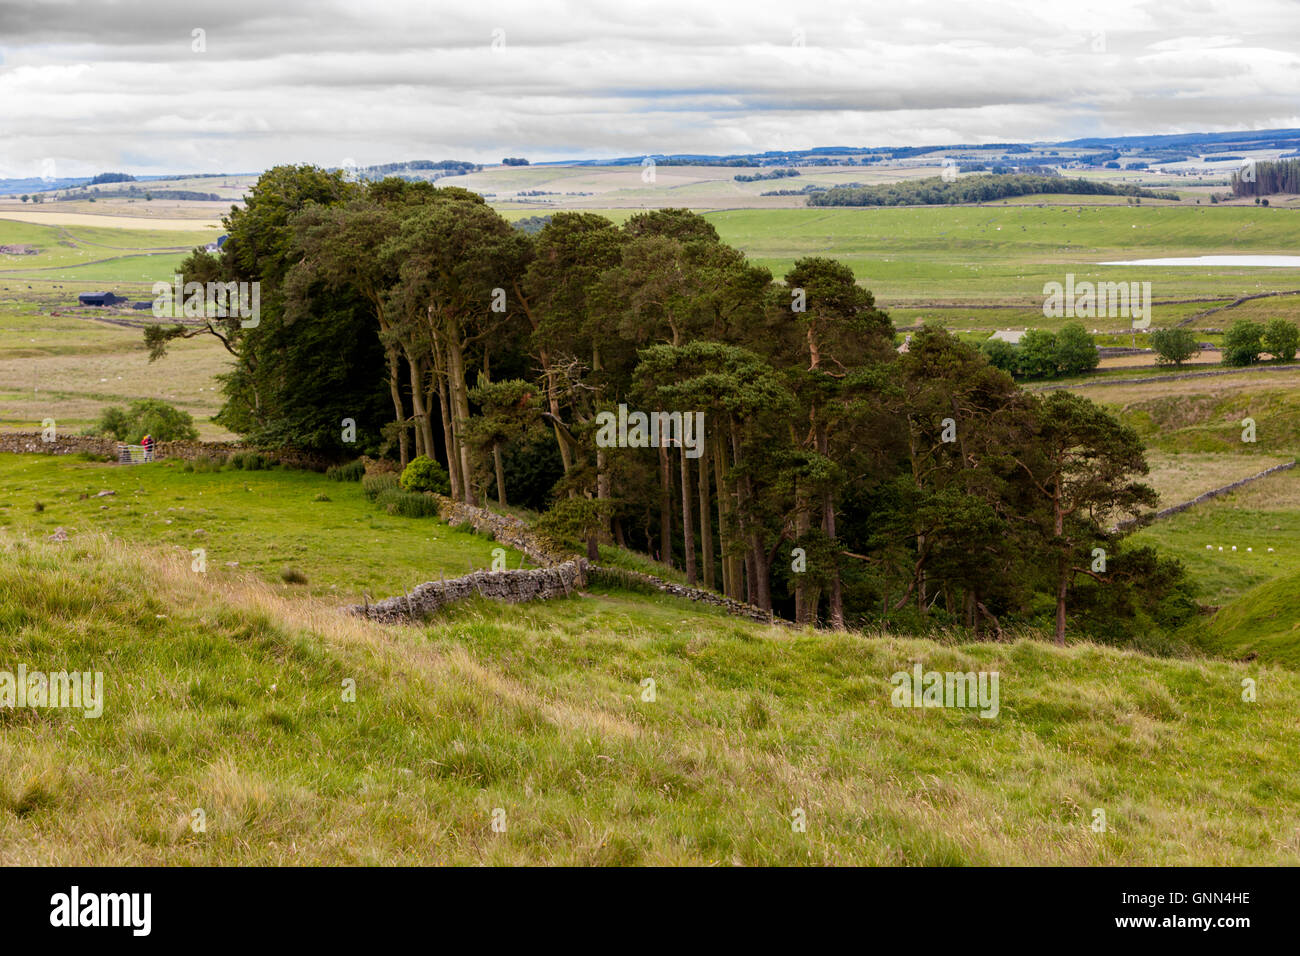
x=736, y=548
x=724, y=517
x=460, y=410
x=1063, y=563
x=762, y=578
x=757, y=585
x=665, y=502
x=501, y=474
x=688, y=524
x=802, y=523
x=836, y=597
x=602, y=490
x=553, y=405
x=399, y=407
x=706, y=515
x=424, y=443
x=449, y=439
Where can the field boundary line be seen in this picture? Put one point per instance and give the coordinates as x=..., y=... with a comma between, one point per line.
x=1168, y=378
x=1202, y=498
x=1234, y=303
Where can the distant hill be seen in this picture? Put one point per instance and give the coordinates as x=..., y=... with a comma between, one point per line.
x=34, y=184
x=1213, y=142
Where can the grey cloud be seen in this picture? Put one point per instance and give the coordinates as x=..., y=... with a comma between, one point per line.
x=312, y=81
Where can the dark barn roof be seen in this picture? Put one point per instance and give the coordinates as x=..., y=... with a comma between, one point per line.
x=99, y=298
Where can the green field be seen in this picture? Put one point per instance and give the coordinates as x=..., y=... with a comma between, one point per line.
x=259, y=521
x=62, y=362
x=909, y=256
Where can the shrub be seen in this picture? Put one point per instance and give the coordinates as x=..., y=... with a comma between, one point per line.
x=1242, y=343
x=372, y=486
x=114, y=423
x=292, y=576
x=148, y=416
x=408, y=504
x=1174, y=346
x=251, y=461
x=203, y=464
x=352, y=471
x=425, y=474
x=1281, y=339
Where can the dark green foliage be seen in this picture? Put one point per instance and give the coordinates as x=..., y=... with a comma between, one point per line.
x=1041, y=354
x=572, y=521
x=532, y=467
x=298, y=372
x=532, y=224
x=922, y=488
x=1076, y=352
x=1037, y=355
x=1174, y=346
x=1140, y=595
x=1242, y=343
x=1280, y=176
x=680, y=224
x=1280, y=339
x=1001, y=355
x=782, y=173
x=148, y=416
x=978, y=188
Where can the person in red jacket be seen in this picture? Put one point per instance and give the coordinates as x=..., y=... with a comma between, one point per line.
x=147, y=442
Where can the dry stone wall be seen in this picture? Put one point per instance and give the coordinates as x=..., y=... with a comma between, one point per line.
x=512, y=587
x=34, y=443
x=507, y=529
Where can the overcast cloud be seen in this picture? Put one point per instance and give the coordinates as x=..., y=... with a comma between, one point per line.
x=101, y=85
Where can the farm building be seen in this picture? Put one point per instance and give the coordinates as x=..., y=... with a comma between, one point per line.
x=99, y=298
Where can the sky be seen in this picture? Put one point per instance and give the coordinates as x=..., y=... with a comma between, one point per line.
x=149, y=86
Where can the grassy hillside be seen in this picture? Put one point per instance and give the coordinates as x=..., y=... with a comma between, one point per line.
x=225, y=697
x=1242, y=549
x=1264, y=622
